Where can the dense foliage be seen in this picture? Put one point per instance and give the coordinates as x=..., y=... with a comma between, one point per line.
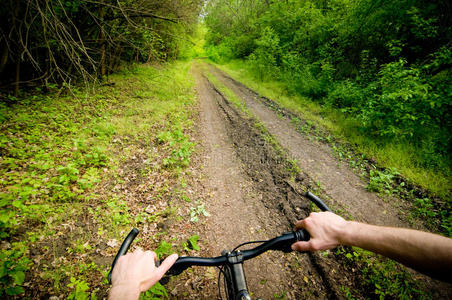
x=59, y=40
x=385, y=63
x=72, y=167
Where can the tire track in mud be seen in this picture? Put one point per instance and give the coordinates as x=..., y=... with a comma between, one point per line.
x=268, y=170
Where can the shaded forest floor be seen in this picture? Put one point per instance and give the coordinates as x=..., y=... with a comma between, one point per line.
x=198, y=163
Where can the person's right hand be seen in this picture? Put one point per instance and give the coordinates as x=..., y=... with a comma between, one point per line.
x=326, y=230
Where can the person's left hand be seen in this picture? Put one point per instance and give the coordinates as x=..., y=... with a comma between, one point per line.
x=136, y=272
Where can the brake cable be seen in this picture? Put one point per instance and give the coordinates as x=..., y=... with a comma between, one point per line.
x=247, y=243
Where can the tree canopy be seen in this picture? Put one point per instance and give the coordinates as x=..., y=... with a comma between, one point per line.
x=60, y=40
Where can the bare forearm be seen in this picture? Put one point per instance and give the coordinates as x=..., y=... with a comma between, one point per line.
x=426, y=252
x=120, y=292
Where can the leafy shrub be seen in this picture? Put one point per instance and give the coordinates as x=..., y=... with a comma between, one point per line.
x=400, y=109
x=264, y=58
x=243, y=46
x=381, y=181
x=346, y=95
x=220, y=53
x=13, y=265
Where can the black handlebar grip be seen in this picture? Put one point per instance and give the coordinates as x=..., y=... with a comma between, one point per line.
x=317, y=201
x=123, y=250
x=302, y=235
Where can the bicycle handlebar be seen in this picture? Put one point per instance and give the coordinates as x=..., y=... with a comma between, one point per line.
x=317, y=201
x=281, y=243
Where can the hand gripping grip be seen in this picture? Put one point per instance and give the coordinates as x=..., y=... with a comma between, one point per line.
x=123, y=250
x=302, y=235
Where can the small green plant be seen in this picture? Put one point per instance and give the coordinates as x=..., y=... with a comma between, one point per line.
x=79, y=247
x=383, y=276
x=181, y=148
x=347, y=293
x=192, y=243
x=156, y=292
x=68, y=174
x=96, y=157
x=197, y=211
x=164, y=249
x=381, y=181
x=446, y=224
x=118, y=212
x=281, y=295
x=425, y=208
x=80, y=288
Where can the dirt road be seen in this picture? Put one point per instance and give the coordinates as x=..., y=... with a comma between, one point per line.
x=250, y=194
x=338, y=181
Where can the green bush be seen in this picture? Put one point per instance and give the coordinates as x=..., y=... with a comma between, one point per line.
x=264, y=59
x=401, y=108
x=13, y=265
x=346, y=95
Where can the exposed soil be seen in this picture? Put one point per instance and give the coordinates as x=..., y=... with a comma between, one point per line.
x=250, y=195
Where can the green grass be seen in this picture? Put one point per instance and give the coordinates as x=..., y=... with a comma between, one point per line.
x=401, y=156
x=63, y=161
x=382, y=277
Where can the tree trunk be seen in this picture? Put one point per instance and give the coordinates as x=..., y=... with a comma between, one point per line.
x=118, y=59
x=149, y=55
x=4, y=56
x=111, y=62
x=16, y=85
x=103, y=68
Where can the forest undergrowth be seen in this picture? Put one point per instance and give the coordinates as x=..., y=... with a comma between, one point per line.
x=79, y=170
